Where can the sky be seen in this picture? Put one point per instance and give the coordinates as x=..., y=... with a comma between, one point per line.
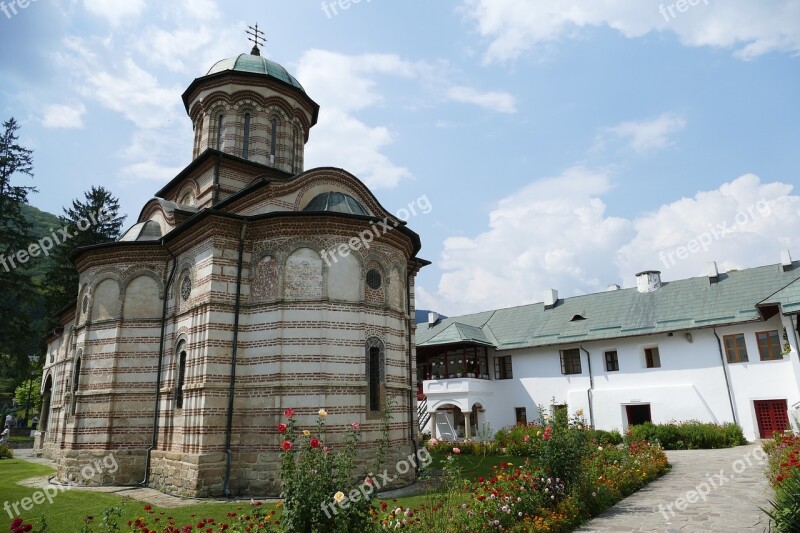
x=565, y=145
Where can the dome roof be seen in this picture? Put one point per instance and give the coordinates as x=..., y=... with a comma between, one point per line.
x=336, y=202
x=142, y=231
x=256, y=65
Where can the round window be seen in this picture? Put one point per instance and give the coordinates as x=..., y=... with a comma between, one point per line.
x=374, y=280
x=186, y=288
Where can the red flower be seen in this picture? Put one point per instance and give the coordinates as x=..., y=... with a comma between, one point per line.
x=314, y=442
x=282, y=428
x=289, y=413
x=547, y=433
x=287, y=445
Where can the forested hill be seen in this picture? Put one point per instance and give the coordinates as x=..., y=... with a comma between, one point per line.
x=41, y=224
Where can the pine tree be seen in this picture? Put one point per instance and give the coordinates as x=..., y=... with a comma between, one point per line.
x=19, y=338
x=95, y=220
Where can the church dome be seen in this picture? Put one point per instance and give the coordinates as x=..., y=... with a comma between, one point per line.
x=336, y=202
x=255, y=64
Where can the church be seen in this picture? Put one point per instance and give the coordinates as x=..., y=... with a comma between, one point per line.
x=248, y=285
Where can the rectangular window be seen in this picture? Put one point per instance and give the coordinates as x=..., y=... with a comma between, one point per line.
x=246, y=140
x=612, y=362
x=769, y=345
x=735, y=348
x=502, y=367
x=571, y=361
x=652, y=358
x=522, y=416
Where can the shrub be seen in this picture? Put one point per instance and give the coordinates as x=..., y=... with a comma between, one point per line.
x=6, y=452
x=783, y=472
x=691, y=435
x=605, y=438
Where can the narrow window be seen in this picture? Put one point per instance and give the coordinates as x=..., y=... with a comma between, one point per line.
x=274, y=140
x=612, y=362
x=75, y=382
x=180, y=380
x=735, y=348
x=769, y=345
x=652, y=358
x=246, y=140
x=219, y=132
x=502, y=367
x=374, y=380
x=571, y=361
x=376, y=376
x=294, y=150
x=521, y=415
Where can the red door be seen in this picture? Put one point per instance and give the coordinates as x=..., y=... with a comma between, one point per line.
x=772, y=416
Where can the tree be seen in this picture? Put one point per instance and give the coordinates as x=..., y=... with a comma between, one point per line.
x=26, y=396
x=19, y=337
x=95, y=220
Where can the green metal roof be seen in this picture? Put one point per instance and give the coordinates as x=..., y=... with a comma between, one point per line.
x=257, y=65
x=677, y=305
x=337, y=202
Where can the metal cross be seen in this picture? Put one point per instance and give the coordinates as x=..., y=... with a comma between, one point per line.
x=255, y=36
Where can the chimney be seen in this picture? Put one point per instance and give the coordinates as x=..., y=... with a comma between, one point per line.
x=550, y=298
x=612, y=287
x=433, y=318
x=713, y=272
x=786, y=260
x=648, y=281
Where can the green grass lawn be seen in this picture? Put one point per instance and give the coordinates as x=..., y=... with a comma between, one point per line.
x=70, y=508
x=475, y=466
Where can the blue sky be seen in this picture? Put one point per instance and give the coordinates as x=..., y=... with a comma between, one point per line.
x=562, y=145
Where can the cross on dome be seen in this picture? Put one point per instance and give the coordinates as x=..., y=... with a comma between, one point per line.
x=255, y=36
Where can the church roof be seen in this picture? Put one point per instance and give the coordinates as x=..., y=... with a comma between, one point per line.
x=256, y=65
x=676, y=306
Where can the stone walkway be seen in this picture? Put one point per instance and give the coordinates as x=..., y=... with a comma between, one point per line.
x=726, y=488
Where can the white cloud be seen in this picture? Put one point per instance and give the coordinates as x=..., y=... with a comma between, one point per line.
x=751, y=28
x=115, y=11
x=501, y=102
x=741, y=224
x=150, y=171
x=344, y=85
x=555, y=233
x=64, y=116
x=552, y=233
x=649, y=134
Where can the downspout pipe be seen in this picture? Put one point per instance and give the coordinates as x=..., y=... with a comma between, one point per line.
x=156, y=410
x=590, y=392
x=234, y=353
x=409, y=331
x=725, y=373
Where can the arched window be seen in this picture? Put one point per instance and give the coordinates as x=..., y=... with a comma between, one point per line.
x=76, y=378
x=273, y=147
x=220, y=130
x=46, y=399
x=181, y=375
x=246, y=139
x=376, y=374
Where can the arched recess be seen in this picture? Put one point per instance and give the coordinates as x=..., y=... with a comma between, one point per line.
x=396, y=289
x=266, y=279
x=375, y=283
x=304, y=275
x=143, y=297
x=47, y=396
x=375, y=362
x=344, y=277
x=76, y=382
x=105, y=300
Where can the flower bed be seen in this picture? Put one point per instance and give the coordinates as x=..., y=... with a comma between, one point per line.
x=691, y=435
x=783, y=472
x=565, y=475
